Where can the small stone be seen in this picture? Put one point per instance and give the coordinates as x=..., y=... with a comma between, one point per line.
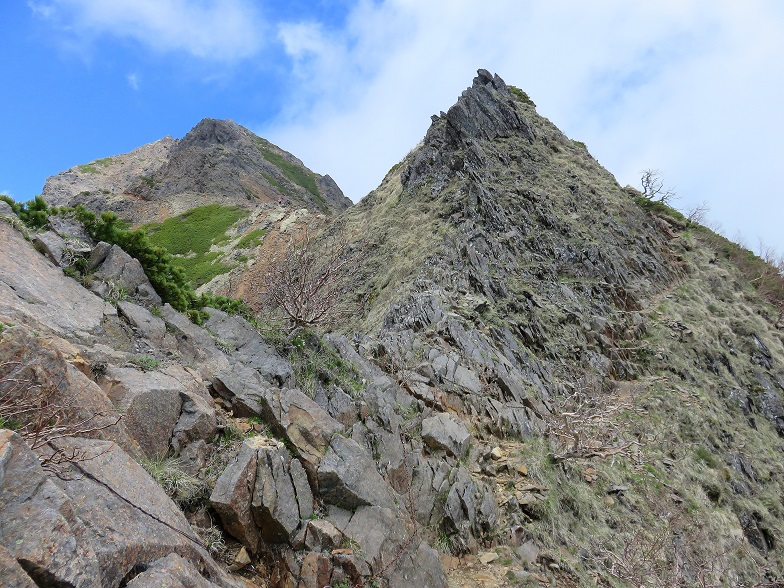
x=608, y=501
x=617, y=489
x=496, y=453
x=241, y=560
x=488, y=557
x=528, y=552
x=522, y=469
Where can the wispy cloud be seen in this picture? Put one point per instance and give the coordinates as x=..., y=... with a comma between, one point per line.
x=134, y=81
x=217, y=30
x=687, y=87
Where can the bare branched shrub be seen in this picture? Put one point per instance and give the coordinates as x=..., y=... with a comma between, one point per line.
x=310, y=281
x=671, y=552
x=587, y=423
x=698, y=213
x=42, y=414
x=653, y=187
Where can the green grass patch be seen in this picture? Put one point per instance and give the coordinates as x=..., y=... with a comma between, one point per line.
x=656, y=207
x=200, y=269
x=190, y=236
x=293, y=172
x=252, y=239
x=521, y=96
x=275, y=183
x=94, y=166
x=145, y=362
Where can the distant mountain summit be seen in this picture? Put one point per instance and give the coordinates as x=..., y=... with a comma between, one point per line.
x=218, y=161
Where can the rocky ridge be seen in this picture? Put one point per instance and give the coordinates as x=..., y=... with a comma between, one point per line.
x=543, y=381
x=218, y=161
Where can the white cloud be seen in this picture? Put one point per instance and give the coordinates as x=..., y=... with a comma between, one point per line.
x=133, y=81
x=692, y=87
x=219, y=30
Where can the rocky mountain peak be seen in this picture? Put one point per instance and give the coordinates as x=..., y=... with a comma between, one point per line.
x=217, y=162
x=486, y=110
x=210, y=131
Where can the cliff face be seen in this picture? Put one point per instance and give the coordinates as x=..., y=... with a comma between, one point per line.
x=545, y=382
x=509, y=281
x=217, y=162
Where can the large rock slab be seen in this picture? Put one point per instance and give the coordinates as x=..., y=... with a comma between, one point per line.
x=35, y=292
x=129, y=520
x=443, y=431
x=348, y=478
x=249, y=348
x=38, y=525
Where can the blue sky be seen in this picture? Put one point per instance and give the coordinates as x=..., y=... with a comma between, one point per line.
x=693, y=88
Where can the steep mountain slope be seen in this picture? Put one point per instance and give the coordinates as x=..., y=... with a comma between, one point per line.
x=509, y=281
x=548, y=380
x=218, y=161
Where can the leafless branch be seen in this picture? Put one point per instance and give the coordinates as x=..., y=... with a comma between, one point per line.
x=653, y=187
x=698, y=212
x=310, y=282
x=42, y=414
x=586, y=424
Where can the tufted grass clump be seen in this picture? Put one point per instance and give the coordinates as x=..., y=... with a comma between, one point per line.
x=185, y=489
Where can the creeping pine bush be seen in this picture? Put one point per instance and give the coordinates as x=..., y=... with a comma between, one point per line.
x=168, y=280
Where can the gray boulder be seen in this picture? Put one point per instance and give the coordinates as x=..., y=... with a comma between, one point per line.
x=149, y=326
x=249, y=348
x=71, y=230
x=263, y=493
x=443, y=431
x=50, y=244
x=122, y=269
x=348, y=478
x=306, y=426
x=38, y=525
x=195, y=346
x=276, y=504
x=171, y=571
x=384, y=539
x=151, y=403
x=231, y=498
x=243, y=388
x=322, y=535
